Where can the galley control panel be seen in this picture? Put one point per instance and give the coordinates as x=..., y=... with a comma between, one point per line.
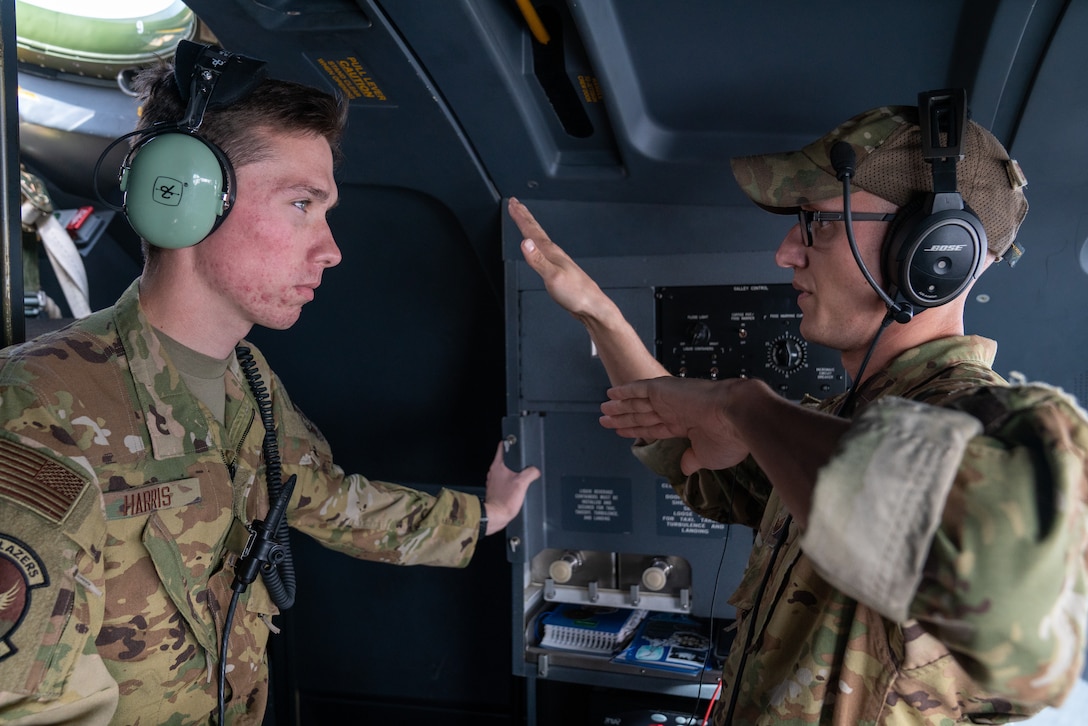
x=743, y=331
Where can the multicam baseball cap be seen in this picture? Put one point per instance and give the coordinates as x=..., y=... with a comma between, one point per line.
x=887, y=144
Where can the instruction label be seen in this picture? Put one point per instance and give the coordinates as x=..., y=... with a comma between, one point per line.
x=674, y=519
x=591, y=89
x=353, y=79
x=596, y=504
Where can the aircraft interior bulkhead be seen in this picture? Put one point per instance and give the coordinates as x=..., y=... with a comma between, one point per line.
x=432, y=341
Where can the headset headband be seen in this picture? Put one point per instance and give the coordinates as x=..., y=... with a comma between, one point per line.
x=210, y=77
x=943, y=112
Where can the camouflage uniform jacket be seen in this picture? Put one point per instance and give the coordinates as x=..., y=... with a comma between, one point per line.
x=941, y=576
x=121, y=503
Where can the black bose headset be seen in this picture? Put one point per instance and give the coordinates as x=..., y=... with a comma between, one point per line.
x=936, y=245
x=178, y=186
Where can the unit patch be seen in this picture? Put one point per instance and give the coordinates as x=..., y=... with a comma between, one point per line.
x=21, y=570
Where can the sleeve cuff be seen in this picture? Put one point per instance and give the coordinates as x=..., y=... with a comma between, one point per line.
x=879, y=500
x=662, y=456
x=483, y=517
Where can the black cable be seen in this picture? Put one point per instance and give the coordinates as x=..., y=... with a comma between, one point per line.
x=221, y=700
x=98, y=165
x=713, y=599
x=753, y=615
x=280, y=580
x=843, y=158
x=268, y=550
x=262, y=553
x=900, y=313
x=843, y=410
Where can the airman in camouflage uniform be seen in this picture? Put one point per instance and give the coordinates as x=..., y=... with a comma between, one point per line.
x=921, y=563
x=926, y=588
x=125, y=501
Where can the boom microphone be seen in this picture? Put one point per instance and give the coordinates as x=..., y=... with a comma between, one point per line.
x=842, y=160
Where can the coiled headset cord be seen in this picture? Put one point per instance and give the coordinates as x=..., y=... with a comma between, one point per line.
x=268, y=549
x=280, y=580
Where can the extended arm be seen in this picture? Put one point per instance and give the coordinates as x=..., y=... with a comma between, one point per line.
x=727, y=420
x=972, y=521
x=622, y=352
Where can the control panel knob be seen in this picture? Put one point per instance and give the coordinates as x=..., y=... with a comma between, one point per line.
x=562, y=570
x=656, y=576
x=699, y=333
x=786, y=353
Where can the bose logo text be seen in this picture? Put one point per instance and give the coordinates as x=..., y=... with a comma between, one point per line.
x=944, y=248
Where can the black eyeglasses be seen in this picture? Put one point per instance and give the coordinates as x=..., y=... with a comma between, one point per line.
x=808, y=216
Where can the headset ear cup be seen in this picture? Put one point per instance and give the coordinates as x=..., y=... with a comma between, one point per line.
x=930, y=258
x=178, y=188
x=900, y=231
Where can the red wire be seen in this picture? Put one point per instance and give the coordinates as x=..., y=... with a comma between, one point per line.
x=710, y=706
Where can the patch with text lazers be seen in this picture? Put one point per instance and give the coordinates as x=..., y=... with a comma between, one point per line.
x=20, y=572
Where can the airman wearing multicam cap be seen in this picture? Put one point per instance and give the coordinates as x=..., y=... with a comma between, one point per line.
x=887, y=145
x=920, y=553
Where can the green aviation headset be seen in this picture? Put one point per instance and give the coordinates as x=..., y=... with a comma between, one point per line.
x=178, y=186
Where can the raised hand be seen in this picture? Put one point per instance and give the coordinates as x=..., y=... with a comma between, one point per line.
x=565, y=281
x=619, y=346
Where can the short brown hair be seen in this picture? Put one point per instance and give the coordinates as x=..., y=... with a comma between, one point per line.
x=276, y=105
